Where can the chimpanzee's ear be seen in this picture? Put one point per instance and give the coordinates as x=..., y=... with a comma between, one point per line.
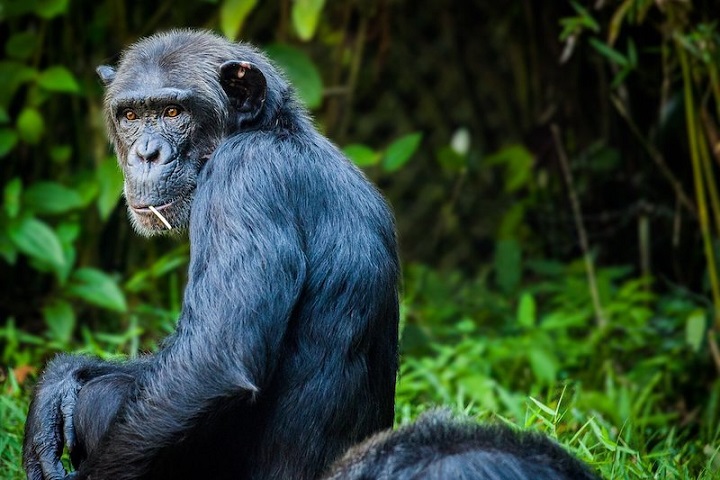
x=245, y=86
x=106, y=74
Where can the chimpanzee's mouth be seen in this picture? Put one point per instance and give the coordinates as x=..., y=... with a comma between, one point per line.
x=151, y=210
x=145, y=209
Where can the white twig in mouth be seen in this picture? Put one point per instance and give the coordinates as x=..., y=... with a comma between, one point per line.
x=159, y=215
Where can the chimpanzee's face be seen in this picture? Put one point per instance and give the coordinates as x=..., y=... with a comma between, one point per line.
x=167, y=113
x=161, y=150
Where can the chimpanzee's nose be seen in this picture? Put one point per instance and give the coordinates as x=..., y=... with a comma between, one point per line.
x=148, y=150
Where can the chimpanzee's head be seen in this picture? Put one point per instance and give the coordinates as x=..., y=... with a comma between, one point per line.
x=172, y=100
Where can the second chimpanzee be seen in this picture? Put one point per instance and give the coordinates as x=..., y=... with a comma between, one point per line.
x=285, y=352
x=441, y=447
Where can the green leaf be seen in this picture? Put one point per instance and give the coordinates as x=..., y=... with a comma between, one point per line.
x=7, y=249
x=632, y=53
x=11, y=197
x=305, y=16
x=617, y=20
x=61, y=153
x=4, y=116
x=695, y=327
x=552, y=413
x=60, y=320
x=513, y=222
x=526, y=313
x=400, y=151
x=51, y=198
x=361, y=155
x=87, y=186
x=450, y=160
x=232, y=16
x=518, y=162
x=508, y=264
x=58, y=79
x=38, y=241
x=585, y=18
x=12, y=75
x=8, y=140
x=67, y=233
x=543, y=364
x=609, y=53
x=48, y=9
x=145, y=279
x=22, y=45
x=300, y=70
x=30, y=125
x=96, y=288
x=110, y=181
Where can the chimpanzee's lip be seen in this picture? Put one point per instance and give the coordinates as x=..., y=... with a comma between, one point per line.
x=146, y=208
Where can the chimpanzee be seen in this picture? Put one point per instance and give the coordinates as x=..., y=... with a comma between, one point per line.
x=440, y=447
x=285, y=353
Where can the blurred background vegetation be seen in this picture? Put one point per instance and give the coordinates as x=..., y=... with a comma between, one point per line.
x=552, y=165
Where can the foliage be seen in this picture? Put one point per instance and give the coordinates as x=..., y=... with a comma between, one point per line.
x=13, y=406
x=468, y=345
x=466, y=116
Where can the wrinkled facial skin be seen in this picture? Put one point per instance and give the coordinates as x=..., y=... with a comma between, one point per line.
x=166, y=113
x=162, y=155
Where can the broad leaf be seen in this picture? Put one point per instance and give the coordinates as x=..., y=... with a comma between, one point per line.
x=37, y=240
x=48, y=9
x=544, y=365
x=232, y=16
x=695, y=327
x=30, y=125
x=450, y=160
x=301, y=72
x=8, y=251
x=400, y=151
x=508, y=264
x=110, y=181
x=526, y=313
x=21, y=45
x=518, y=163
x=305, y=16
x=58, y=79
x=61, y=153
x=97, y=288
x=12, y=75
x=361, y=155
x=60, y=320
x=51, y=198
x=11, y=197
x=8, y=140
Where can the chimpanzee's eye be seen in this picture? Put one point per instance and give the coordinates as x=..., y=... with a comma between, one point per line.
x=172, y=111
x=130, y=115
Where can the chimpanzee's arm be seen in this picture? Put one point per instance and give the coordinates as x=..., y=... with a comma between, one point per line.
x=246, y=274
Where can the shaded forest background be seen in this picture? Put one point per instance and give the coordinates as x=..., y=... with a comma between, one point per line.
x=552, y=167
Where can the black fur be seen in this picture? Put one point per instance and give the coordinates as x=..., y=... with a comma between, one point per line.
x=439, y=447
x=285, y=353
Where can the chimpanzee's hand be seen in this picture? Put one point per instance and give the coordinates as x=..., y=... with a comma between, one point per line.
x=49, y=424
